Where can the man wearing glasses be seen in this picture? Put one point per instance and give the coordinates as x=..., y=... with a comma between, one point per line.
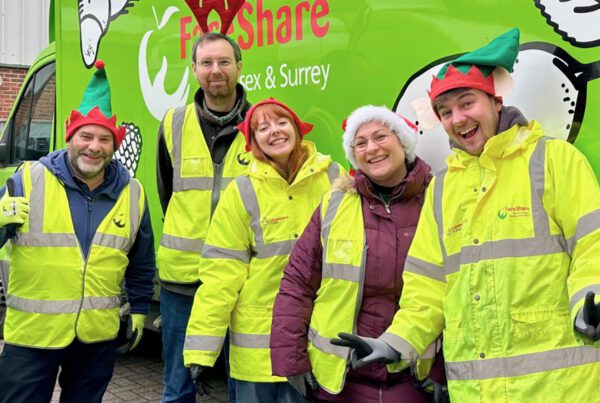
x=199, y=152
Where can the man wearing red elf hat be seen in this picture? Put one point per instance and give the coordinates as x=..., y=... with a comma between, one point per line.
x=78, y=226
x=506, y=257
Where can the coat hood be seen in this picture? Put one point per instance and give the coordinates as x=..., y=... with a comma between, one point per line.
x=116, y=176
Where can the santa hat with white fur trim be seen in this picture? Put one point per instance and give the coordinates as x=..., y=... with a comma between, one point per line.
x=402, y=127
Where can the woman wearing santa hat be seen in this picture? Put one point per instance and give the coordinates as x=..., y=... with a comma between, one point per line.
x=345, y=273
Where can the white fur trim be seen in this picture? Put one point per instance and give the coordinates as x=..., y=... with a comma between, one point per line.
x=370, y=113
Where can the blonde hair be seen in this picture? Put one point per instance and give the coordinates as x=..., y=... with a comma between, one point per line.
x=299, y=154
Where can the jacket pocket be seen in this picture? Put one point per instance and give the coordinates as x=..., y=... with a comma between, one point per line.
x=193, y=166
x=340, y=250
x=532, y=322
x=453, y=330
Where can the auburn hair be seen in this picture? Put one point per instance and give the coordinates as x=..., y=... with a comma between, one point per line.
x=299, y=154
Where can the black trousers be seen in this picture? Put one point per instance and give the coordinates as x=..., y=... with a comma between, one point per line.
x=28, y=375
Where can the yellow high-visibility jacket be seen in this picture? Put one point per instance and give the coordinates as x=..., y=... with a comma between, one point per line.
x=344, y=259
x=197, y=186
x=56, y=294
x=507, y=246
x=254, y=228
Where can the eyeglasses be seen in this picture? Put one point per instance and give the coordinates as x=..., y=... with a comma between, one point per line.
x=207, y=64
x=378, y=138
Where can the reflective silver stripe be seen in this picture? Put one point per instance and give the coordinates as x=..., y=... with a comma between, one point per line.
x=225, y=181
x=586, y=225
x=111, y=241
x=402, y=346
x=539, y=246
x=537, y=177
x=63, y=306
x=279, y=248
x=197, y=183
x=579, y=295
x=38, y=182
x=430, y=270
x=249, y=340
x=521, y=365
x=438, y=192
x=341, y=272
x=183, y=244
x=51, y=240
x=205, y=343
x=334, y=204
x=213, y=252
x=250, y=202
x=322, y=343
x=135, y=214
x=176, y=135
x=333, y=171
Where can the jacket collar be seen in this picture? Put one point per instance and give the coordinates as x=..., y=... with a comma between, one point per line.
x=418, y=176
x=116, y=176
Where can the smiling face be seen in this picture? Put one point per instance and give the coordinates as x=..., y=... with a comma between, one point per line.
x=469, y=116
x=90, y=150
x=275, y=135
x=379, y=154
x=217, y=71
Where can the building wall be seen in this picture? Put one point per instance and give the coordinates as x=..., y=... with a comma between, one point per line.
x=23, y=34
x=11, y=79
x=23, y=30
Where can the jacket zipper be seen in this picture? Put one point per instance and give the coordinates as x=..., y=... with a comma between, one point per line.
x=216, y=187
x=85, y=259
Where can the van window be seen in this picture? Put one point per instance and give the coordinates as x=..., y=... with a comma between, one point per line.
x=30, y=129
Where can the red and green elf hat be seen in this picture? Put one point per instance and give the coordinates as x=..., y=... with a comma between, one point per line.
x=95, y=108
x=487, y=69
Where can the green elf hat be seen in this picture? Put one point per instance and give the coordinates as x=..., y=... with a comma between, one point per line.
x=487, y=69
x=95, y=108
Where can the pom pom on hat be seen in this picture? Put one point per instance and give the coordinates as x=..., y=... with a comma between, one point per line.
x=95, y=108
x=404, y=129
x=303, y=127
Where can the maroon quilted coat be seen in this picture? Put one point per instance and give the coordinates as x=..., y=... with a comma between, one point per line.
x=389, y=233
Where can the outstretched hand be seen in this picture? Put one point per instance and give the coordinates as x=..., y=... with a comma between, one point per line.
x=366, y=350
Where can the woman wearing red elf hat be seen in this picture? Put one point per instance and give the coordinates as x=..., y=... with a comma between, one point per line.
x=256, y=224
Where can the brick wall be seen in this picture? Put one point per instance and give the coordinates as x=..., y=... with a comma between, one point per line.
x=12, y=78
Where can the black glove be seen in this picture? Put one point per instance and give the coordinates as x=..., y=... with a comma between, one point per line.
x=591, y=317
x=366, y=350
x=127, y=335
x=199, y=375
x=305, y=384
x=439, y=390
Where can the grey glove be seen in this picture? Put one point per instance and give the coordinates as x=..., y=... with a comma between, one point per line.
x=305, y=384
x=366, y=350
x=588, y=318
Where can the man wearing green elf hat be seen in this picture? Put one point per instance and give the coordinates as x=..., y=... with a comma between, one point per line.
x=506, y=257
x=78, y=226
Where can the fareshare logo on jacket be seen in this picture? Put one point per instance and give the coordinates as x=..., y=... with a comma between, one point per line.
x=514, y=212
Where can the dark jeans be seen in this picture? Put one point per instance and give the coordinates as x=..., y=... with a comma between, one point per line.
x=28, y=375
x=175, y=312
